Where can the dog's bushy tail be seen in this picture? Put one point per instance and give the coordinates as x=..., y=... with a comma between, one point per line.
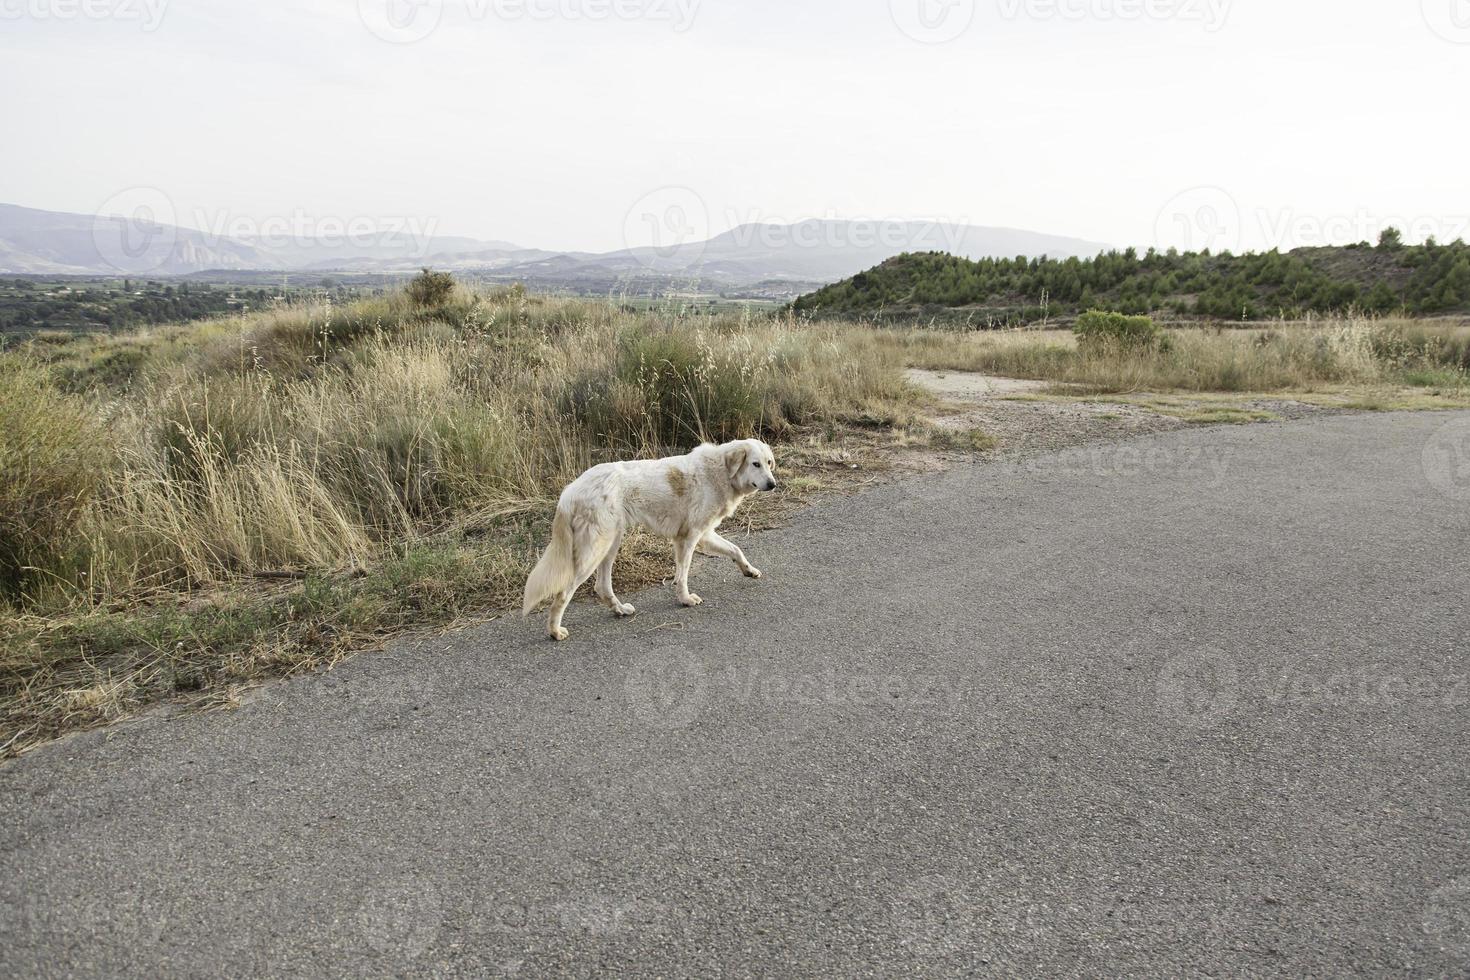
x=555, y=570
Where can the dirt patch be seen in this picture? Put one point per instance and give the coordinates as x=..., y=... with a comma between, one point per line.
x=969, y=386
x=1010, y=411
x=1025, y=416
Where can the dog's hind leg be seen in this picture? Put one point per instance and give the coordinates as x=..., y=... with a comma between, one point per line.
x=713, y=544
x=590, y=545
x=605, y=583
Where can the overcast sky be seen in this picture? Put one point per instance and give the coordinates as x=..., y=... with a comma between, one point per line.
x=588, y=123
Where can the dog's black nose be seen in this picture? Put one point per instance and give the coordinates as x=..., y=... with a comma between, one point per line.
x=771, y=485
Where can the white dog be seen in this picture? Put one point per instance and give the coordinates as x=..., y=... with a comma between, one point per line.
x=684, y=498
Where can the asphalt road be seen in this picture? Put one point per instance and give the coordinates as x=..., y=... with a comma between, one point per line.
x=1190, y=704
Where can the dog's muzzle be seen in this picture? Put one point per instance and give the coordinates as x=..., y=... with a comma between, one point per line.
x=770, y=485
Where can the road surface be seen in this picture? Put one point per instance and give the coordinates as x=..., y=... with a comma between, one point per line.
x=1190, y=704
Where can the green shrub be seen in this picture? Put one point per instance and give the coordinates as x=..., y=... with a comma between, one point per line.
x=52, y=463
x=673, y=388
x=430, y=288
x=1100, y=329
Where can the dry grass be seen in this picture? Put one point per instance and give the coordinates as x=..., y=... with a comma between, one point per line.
x=1321, y=356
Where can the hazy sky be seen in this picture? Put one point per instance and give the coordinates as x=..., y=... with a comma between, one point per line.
x=576, y=123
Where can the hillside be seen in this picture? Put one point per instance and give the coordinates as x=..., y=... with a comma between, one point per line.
x=1390, y=277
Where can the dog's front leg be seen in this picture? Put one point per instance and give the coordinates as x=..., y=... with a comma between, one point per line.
x=683, y=556
x=713, y=544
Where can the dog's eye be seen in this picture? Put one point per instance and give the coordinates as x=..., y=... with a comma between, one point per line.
x=757, y=466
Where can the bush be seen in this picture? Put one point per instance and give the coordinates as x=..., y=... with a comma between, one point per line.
x=430, y=288
x=675, y=387
x=1098, y=329
x=52, y=463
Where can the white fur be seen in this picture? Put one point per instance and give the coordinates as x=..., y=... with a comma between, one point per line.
x=683, y=498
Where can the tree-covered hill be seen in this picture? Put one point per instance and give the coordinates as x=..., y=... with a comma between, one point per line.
x=1388, y=278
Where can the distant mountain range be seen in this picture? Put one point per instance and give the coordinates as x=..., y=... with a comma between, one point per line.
x=778, y=258
x=59, y=243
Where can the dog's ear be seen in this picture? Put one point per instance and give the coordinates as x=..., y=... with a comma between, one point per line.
x=735, y=454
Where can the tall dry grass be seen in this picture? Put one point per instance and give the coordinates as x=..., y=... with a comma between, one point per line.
x=316, y=437
x=1288, y=357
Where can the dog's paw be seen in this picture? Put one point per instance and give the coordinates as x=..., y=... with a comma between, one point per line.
x=690, y=600
x=558, y=634
x=751, y=572
x=623, y=609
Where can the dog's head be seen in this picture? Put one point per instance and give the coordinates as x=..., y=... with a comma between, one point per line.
x=750, y=465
